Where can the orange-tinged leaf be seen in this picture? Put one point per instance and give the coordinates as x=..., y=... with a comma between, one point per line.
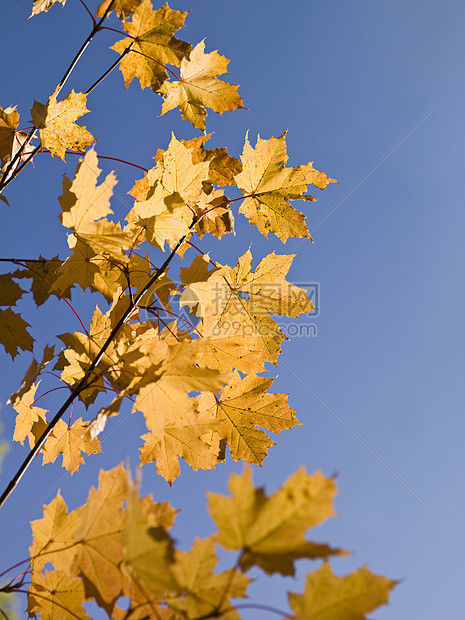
x=153, y=44
x=13, y=332
x=101, y=533
x=29, y=416
x=56, y=123
x=203, y=592
x=57, y=596
x=270, y=530
x=10, y=138
x=123, y=8
x=199, y=87
x=53, y=536
x=43, y=273
x=243, y=406
x=328, y=597
x=44, y=5
x=70, y=441
x=269, y=186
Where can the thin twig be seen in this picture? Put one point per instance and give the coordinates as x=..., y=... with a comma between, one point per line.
x=110, y=69
x=83, y=383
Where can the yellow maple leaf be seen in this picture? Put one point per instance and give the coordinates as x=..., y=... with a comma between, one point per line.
x=199, y=87
x=43, y=273
x=101, y=537
x=269, y=186
x=154, y=45
x=164, y=213
x=43, y=5
x=201, y=591
x=243, y=406
x=270, y=531
x=123, y=8
x=70, y=441
x=57, y=595
x=83, y=202
x=13, y=332
x=31, y=421
x=328, y=597
x=52, y=535
x=56, y=123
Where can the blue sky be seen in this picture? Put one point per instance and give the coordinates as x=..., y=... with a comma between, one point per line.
x=379, y=387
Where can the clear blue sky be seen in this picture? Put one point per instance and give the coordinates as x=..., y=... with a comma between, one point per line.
x=379, y=388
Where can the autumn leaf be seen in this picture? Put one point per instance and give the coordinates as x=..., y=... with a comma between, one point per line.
x=270, y=530
x=222, y=168
x=32, y=374
x=10, y=291
x=154, y=45
x=199, y=87
x=83, y=202
x=70, y=441
x=123, y=8
x=101, y=534
x=204, y=592
x=56, y=123
x=13, y=332
x=11, y=140
x=56, y=595
x=269, y=185
x=165, y=214
x=44, y=5
x=53, y=536
x=43, y=273
x=28, y=417
x=242, y=407
x=328, y=597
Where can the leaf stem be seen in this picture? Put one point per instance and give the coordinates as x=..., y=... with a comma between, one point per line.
x=95, y=29
x=83, y=382
x=88, y=11
x=110, y=69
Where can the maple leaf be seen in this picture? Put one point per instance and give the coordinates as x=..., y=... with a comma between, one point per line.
x=32, y=373
x=11, y=140
x=83, y=201
x=198, y=87
x=328, y=597
x=204, y=592
x=56, y=123
x=70, y=441
x=57, y=595
x=269, y=186
x=31, y=420
x=170, y=413
x=270, y=530
x=43, y=5
x=164, y=214
x=243, y=406
x=13, y=333
x=154, y=45
x=43, y=273
x=10, y=291
x=123, y=8
x=148, y=548
x=222, y=168
x=101, y=536
x=53, y=536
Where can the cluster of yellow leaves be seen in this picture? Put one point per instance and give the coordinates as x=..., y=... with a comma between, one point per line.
x=187, y=383
x=118, y=544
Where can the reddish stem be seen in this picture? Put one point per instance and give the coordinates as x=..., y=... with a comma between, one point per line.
x=158, y=63
x=202, y=253
x=57, y=292
x=125, y=34
x=88, y=11
x=60, y=387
